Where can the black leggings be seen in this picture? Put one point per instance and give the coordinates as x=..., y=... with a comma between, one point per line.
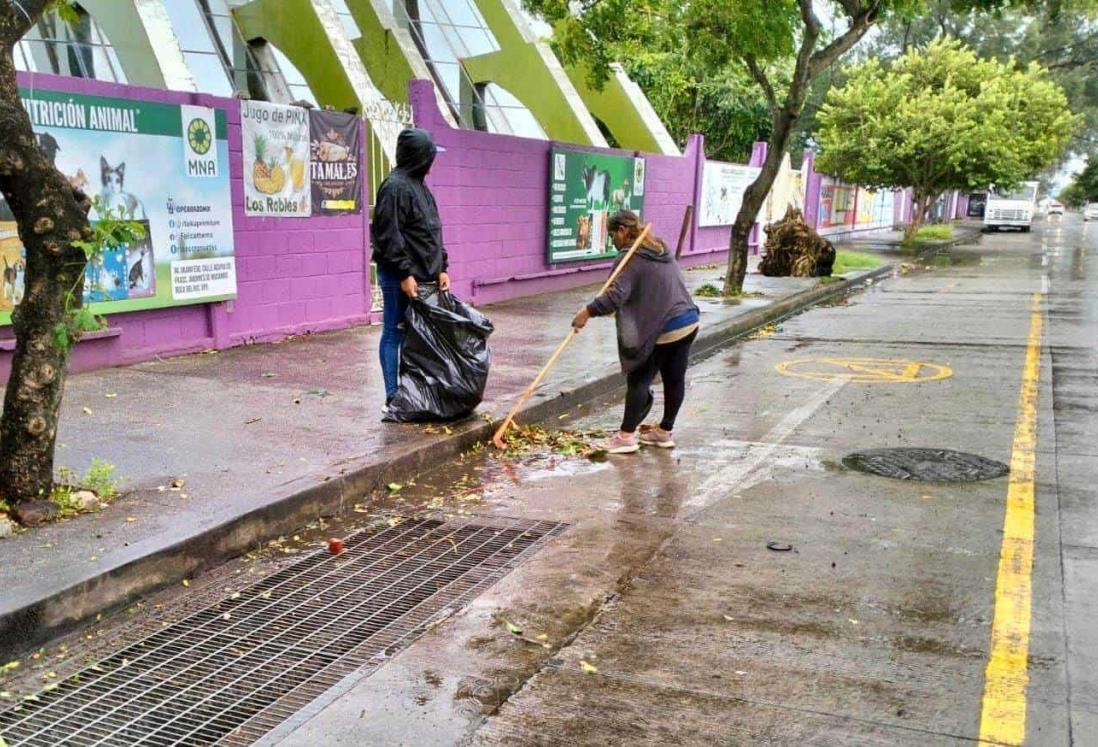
x=670, y=362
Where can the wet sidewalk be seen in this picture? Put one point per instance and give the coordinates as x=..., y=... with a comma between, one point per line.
x=257, y=439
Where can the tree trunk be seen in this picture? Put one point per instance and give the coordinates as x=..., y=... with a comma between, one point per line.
x=50, y=215
x=920, y=206
x=916, y=220
x=784, y=114
x=754, y=197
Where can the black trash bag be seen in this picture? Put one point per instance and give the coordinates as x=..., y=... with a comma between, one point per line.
x=444, y=360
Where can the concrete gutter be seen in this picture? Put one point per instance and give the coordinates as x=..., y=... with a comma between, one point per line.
x=33, y=622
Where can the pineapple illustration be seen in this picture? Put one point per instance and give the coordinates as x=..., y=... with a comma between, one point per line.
x=267, y=175
x=260, y=171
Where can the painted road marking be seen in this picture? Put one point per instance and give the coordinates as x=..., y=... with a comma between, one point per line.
x=745, y=469
x=1003, y=717
x=865, y=370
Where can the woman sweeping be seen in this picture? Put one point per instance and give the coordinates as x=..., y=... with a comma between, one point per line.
x=657, y=323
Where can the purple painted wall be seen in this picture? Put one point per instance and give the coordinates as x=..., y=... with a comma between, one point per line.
x=305, y=275
x=293, y=275
x=493, y=196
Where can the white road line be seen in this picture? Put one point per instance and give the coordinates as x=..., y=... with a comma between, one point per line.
x=727, y=476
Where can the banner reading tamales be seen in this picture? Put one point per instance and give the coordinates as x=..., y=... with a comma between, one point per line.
x=336, y=142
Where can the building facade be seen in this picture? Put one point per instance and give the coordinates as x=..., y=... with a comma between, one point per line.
x=491, y=72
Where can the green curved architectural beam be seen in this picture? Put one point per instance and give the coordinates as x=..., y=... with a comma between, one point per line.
x=530, y=71
x=622, y=106
x=296, y=29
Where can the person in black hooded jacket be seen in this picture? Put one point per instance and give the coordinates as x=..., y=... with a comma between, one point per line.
x=407, y=239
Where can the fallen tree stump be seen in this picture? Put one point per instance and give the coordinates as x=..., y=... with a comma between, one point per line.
x=794, y=249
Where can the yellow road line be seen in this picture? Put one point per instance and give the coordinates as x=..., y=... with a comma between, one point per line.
x=1003, y=717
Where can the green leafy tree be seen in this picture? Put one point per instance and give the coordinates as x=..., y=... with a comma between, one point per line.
x=1073, y=195
x=651, y=40
x=690, y=98
x=782, y=45
x=52, y=219
x=940, y=119
x=1062, y=36
x=1087, y=181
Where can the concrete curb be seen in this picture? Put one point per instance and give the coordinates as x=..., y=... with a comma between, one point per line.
x=33, y=623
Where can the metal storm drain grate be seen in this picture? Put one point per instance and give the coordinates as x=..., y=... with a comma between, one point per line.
x=925, y=464
x=233, y=671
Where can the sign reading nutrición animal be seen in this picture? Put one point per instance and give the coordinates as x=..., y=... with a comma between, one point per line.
x=162, y=165
x=585, y=189
x=276, y=155
x=336, y=140
x=723, y=185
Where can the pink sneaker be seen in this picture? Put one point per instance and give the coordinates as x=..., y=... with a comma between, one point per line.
x=621, y=443
x=656, y=436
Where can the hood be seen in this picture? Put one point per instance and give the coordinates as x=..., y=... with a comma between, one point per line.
x=416, y=152
x=654, y=256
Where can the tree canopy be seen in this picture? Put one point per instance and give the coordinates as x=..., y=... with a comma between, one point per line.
x=1060, y=35
x=943, y=118
x=1083, y=188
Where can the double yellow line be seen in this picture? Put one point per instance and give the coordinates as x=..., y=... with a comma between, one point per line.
x=1003, y=717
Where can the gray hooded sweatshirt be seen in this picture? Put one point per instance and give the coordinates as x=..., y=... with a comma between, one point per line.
x=648, y=294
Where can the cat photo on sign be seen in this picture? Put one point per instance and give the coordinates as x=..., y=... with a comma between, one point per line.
x=141, y=268
x=116, y=200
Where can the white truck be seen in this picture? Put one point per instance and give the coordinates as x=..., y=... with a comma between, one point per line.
x=1015, y=209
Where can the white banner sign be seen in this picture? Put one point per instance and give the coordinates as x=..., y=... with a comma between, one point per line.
x=198, y=278
x=276, y=160
x=199, y=145
x=723, y=185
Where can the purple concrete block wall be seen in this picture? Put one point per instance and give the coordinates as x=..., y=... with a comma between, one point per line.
x=493, y=196
x=293, y=275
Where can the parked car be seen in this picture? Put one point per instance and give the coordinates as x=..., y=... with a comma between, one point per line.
x=1091, y=211
x=1055, y=208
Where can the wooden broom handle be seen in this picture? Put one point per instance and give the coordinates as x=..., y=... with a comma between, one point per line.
x=497, y=439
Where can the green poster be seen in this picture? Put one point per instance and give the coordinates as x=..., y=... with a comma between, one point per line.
x=585, y=189
x=163, y=165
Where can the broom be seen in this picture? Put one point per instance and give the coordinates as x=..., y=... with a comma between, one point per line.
x=497, y=439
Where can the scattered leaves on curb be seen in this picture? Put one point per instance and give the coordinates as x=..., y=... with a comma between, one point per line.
x=10, y=666
x=186, y=583
x=394, y=487
x=588, y=668
x=512, y=627
x=524, y=439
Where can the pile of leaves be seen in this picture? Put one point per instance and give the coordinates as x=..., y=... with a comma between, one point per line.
x=794, y=249
x=522, y=440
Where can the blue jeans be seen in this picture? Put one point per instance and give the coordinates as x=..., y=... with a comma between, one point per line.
x=392, y=329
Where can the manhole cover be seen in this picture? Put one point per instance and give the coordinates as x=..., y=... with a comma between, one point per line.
x=925, y=464
x=230, y=673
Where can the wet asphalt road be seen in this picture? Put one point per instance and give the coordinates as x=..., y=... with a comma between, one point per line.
x=876, y=627
x=665, y=618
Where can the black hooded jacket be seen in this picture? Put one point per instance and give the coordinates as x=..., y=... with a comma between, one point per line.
x=406, y=231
